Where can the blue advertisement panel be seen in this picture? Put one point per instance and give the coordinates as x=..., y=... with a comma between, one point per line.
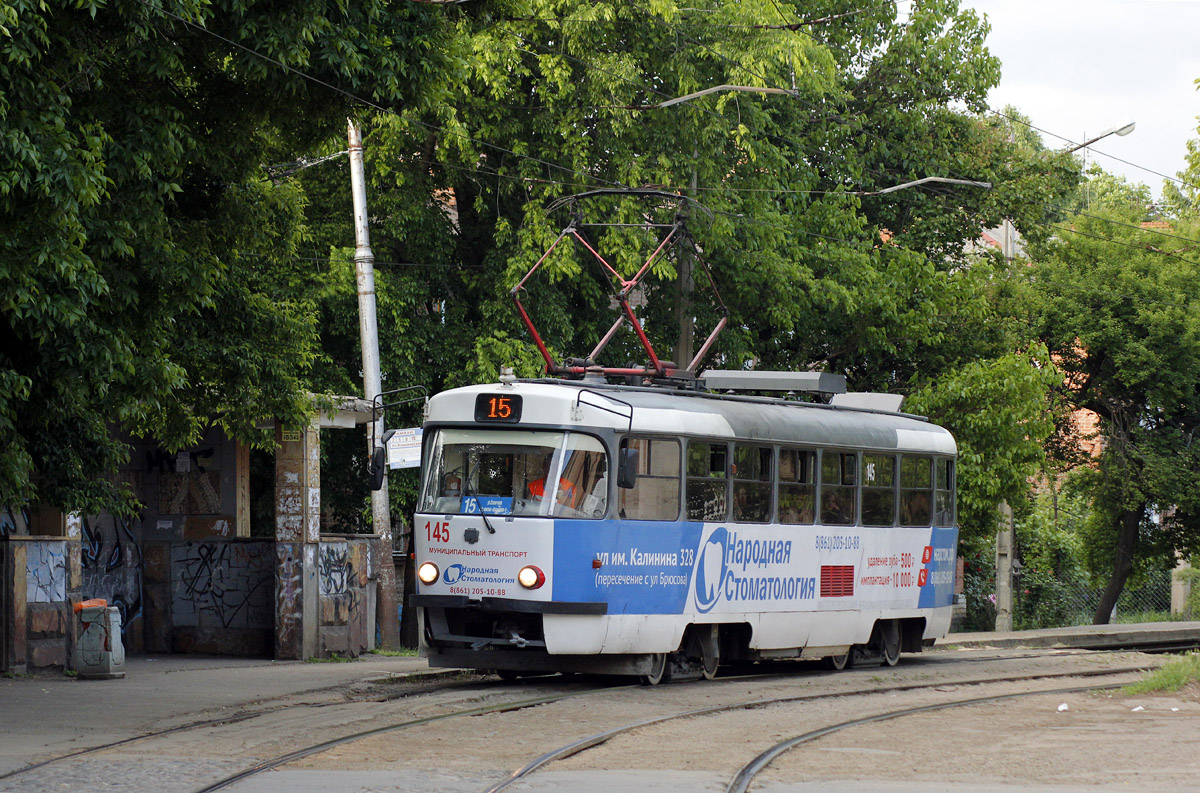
x=651, y=567
x=637, y=567
x=936, y=577
x=753, y=569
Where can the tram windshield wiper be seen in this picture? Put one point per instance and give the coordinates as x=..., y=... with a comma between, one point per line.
x=491, y=529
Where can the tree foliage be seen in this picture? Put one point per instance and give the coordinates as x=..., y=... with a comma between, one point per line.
x=1119, y=308
x=1182, y=199
x=189, y=288
x=559, y=97
x=141, y=244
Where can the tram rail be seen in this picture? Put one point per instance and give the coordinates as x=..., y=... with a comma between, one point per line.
x=769, y=674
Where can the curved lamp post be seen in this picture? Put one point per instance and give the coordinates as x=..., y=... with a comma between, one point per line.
x=1124, y=129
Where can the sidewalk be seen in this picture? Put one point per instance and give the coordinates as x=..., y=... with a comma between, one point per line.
x=1143, y=635
x=54, y=715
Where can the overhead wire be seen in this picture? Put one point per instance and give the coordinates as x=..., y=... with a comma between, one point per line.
x=1022, y=122
x=591, y=177
x=930, y=188
x=361, y=100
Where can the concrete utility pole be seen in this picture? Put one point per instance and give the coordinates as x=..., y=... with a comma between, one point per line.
x=364, y=269
x=1004, y=567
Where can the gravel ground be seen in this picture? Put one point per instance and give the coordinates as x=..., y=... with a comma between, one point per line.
x=1101, y=741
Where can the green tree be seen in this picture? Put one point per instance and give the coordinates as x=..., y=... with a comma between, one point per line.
x=1119, y=308
x=142, y=247
x=1001, y=414
x=558, y=97
x=1182, y=200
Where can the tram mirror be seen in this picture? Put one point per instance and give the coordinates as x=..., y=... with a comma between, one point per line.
x=378, y=466
x=627, y=467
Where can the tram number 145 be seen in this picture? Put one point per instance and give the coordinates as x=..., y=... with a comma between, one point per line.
x=437, y=532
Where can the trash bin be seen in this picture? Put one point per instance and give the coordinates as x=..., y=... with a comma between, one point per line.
x=99, y=652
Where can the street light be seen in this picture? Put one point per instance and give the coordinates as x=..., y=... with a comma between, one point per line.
x=1122, y=130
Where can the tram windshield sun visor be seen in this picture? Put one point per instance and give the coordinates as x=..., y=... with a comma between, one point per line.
x=515, y=472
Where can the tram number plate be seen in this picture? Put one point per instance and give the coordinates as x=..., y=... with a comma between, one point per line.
x=498, y=407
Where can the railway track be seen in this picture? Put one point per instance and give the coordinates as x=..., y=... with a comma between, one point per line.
x=543, y=692
x=748, y=772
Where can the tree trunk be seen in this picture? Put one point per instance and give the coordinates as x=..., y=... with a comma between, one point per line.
x=1131, y=521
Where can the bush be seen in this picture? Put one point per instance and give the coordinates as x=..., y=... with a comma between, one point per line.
x=979, y=584
x=1191, y=606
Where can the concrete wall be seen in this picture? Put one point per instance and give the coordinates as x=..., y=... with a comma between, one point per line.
x=347, y=570
x=184, y=573
x=192, y=495
x=41, y=579
x=222, y=596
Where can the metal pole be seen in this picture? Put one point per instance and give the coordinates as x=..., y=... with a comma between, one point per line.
x=364, y=269
x=683, y=296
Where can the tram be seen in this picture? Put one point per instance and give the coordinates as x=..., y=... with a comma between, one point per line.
x=583, y=526
x=652, y=521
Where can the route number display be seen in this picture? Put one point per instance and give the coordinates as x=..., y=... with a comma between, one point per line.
x=498, y=407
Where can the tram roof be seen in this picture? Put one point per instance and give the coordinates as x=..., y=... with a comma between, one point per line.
x=692, y=413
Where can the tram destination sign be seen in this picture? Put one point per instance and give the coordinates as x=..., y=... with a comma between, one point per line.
x=504, y=408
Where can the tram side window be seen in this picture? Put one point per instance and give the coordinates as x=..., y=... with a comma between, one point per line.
x=583, y=488
x=655, y=494
x=753, y=470
x=706, y=479
x=878, y=490
x=837, y=487
x=944, y=493
x=796, y=486
x=916, y=482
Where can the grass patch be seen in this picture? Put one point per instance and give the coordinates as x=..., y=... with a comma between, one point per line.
x=1171, y=676
x=333, y=658
x=1133, y=617
x=403, y=653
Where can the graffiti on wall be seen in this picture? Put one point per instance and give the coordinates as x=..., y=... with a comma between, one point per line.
x=111, y=557
x=189, y=482
x=163, y=461
x=334, y=569
x=222, y=584
x=46, y=572
x=189, y=493
x=14, y=522
x=289, y=604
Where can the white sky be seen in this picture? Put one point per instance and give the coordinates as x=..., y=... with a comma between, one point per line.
x=1079, y=67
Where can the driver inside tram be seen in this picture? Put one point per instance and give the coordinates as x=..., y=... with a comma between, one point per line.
x=566, y=488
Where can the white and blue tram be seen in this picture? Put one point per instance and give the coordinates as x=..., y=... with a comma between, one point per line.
x=564, y=525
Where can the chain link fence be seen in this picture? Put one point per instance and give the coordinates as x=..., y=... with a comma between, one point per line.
x=1043, y=600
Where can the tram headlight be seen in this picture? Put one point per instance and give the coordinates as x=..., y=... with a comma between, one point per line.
x=531, y=577
x=428, y=572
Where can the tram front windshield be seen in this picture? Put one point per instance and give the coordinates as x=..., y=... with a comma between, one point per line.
x=515, y=472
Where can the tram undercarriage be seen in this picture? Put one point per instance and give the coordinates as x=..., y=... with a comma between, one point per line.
x=514, y=644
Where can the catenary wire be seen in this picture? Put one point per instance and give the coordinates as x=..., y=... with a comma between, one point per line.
x=434, y=127
x=367, y=102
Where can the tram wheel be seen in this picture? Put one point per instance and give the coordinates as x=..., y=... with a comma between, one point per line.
x=702, y=650
x=708, y=666
x=840, y=662
x=889, y=642
x=660, y=664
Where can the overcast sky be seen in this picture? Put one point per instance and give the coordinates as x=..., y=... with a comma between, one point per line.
x=1079, y=67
